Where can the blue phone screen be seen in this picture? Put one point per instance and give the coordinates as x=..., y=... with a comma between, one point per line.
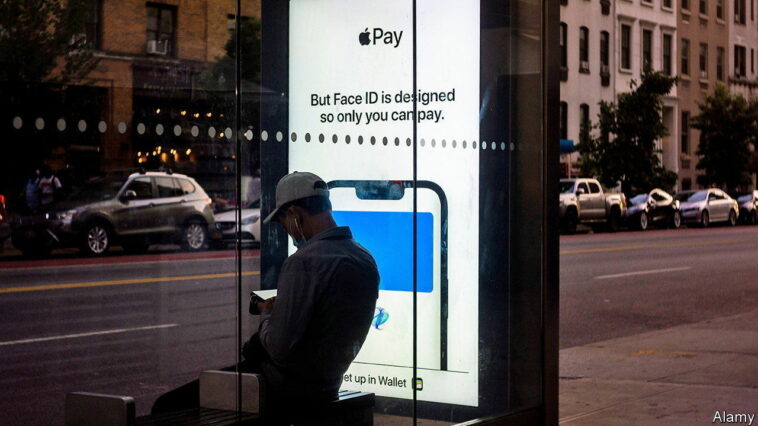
x=387, y=235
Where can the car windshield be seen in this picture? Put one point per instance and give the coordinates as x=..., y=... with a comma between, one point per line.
x=691, y=197
x=567, y=187
x=97, y=189
x=638, y=199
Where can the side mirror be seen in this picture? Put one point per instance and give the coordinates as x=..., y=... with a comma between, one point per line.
x=580, y=191
x=128, y=195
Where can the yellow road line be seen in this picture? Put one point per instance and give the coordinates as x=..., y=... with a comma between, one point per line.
x=122, y=282
x=647, y=246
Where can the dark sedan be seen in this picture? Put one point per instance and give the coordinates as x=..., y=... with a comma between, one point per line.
x=748, y=203
x=655, y=208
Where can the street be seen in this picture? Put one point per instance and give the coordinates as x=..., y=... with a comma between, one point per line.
x=140, y=325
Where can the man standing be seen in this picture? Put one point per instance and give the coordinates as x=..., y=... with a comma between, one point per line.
x=326, y=296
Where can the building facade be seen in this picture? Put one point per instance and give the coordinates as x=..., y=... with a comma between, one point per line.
x=587, y=61
x=646, y=36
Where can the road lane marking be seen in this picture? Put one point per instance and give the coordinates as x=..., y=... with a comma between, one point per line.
x=647, y=246
x=93, y=333
x=647, y=272
x=122, y=282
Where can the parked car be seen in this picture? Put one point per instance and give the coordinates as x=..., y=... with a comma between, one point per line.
x=748, y=203
x=583, y=201
x=227, y=231
x=706, y=206
x=133, y=210
x=5, y=227
x=654, y=208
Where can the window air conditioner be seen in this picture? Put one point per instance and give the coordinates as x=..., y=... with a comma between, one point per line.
x=584, y=65
x=605, y=69
x=156, y=47
x=703, y=74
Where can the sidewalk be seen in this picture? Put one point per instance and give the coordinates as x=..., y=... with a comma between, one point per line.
x=677, y=376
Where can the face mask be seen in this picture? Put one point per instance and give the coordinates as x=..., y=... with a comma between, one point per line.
x=298, y=243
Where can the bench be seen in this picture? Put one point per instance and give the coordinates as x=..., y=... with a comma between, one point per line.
x=218, y=402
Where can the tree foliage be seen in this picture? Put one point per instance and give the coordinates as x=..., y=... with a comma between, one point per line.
x=220, y=76
x=624, y=149
x=38, y=36
x=728, y=127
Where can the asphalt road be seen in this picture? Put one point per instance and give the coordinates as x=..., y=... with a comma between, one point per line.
x=140, y=325
x=615, y=285
x=110, y=326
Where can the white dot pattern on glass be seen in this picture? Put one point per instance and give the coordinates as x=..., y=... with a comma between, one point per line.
x=212, y=132
x=228, y=134
x=408, y=141
x=384, y=141
x=484, y=145
x=335, y=138
x=102, y=127
x=195, y=131
x=279, y=136
x=264, y=135
x=434, y=143
x=140, y=129
x=61, y=125
x=39, y=123
x=321, y=137
x=347, y=139
x=82, y=126
x=373, y=140
x=122, y=128
x=360, y=140
x=249, y=135
x=17, y=123
x=293, y=137
x=307, y=137
x=454, y=143
x=397, y=141
x=177, y=130
x=502, y=146
x=494, y=146
x=159, y=129
x=443, y=143
x=513, y=146
x=473, y=144
x=422, y=142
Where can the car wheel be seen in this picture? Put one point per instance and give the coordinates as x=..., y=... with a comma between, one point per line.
x=570, y=222
x=194, y=236
x=613, y=220
x=676, y=220
x=732, y=218
x=705, y=219
x=643, y=222
x=97, y=239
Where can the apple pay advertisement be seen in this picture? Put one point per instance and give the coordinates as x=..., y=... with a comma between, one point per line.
x=351, y=122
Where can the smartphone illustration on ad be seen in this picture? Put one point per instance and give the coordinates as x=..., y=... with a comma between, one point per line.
x=380, y=216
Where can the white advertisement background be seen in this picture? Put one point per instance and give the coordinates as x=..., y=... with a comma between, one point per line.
x=326, y=57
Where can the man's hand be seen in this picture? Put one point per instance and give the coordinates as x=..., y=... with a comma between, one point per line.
x=266, y=305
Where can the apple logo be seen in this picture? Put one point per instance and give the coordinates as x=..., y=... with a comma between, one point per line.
x=364, y=37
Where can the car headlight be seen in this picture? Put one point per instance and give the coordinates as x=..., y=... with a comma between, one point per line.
x=66, y=217
x=249, y=220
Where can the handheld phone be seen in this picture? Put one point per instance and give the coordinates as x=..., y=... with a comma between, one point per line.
x=380, y=216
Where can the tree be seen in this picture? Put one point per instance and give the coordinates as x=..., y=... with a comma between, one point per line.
x=45, y=41
x=624, y=149
x=728, y=126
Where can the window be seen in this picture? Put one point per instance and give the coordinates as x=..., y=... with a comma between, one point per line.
x=584, y=50
x=703, y=7
x=161, y=29
x=703, y=60
x=604, y=48
x=564, y=120
x=583, y=186
x=720, y=9
x=626, y=44
x=647, y=49
x=667, y=4
x=605, y=7
x=720, y=63
x=686, y=4
x=594, y=188
x=584, y=116
x=740, y=12
x=739, y=61
x=685, y=50
x=142, y=186
x=667, y=47
x=564, y=45
x=752, y=61
x=168, y=187
x=657, y=196
x=92, y=27
x=187, y=186
x=685, y=132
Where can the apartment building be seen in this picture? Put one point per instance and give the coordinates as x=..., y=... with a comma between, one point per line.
x=646, y=35
x=587, y=61
x=703, y=54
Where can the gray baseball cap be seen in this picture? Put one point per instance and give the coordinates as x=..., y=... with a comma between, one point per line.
x=296, y=186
